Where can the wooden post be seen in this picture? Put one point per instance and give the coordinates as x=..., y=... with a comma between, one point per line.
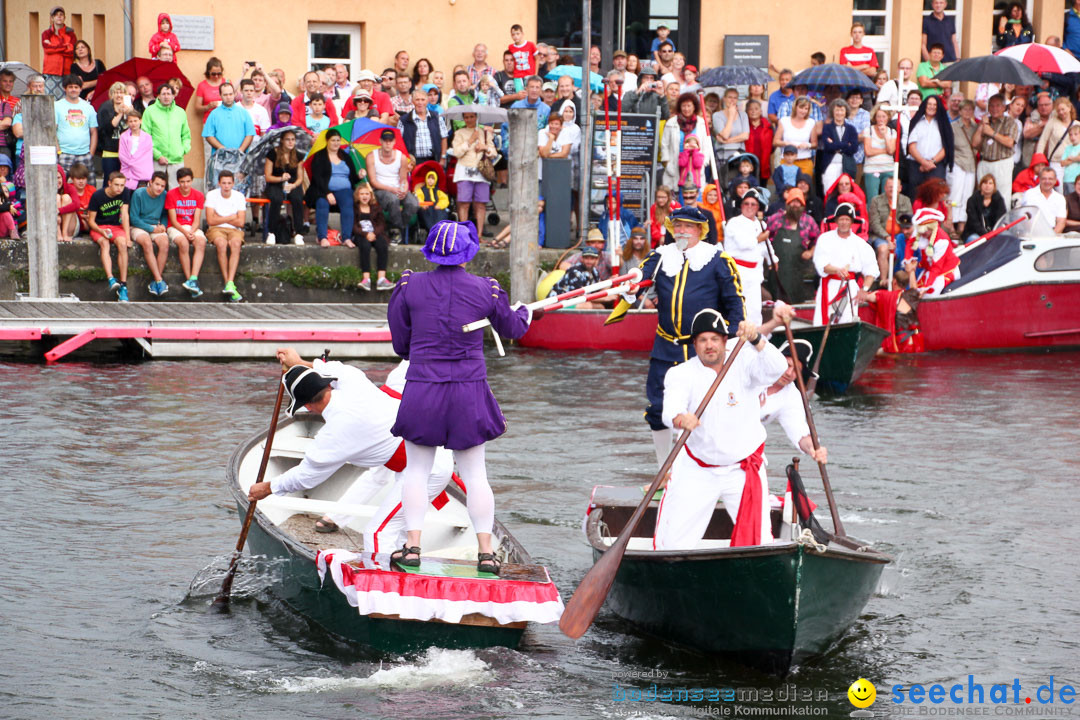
x=40, y=125
x=524, y=200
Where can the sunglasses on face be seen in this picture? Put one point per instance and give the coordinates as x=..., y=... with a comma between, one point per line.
x=215, y=74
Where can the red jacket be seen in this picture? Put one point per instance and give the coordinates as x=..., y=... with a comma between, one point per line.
x=299, y=113
x=759, y=144
x=59, y=51
x=163, y=38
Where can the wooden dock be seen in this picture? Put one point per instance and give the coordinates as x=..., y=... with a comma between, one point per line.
x=197, y=329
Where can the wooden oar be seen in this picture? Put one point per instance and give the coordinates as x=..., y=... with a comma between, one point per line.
x=221, y=602
x=821, y=348
x=833, y=510
x=590, y=594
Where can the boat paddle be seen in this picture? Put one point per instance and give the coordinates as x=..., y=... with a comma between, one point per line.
x=821, y=348
x=221, y=602
x=585, y=603
x=833, y=510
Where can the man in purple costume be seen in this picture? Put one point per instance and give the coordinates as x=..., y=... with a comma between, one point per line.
x=447, y=400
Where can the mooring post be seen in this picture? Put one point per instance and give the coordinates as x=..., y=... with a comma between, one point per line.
x=40, y=125
x=524, y=202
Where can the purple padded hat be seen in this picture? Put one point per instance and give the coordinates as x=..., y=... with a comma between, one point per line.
x=451, y=243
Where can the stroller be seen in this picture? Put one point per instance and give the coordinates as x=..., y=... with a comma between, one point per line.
x=431, y=214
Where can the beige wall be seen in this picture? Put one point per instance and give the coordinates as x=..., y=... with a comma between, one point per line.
x=99, y=23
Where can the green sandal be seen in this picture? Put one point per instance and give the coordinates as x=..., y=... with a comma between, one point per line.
x=399, y=556
x=488, y=563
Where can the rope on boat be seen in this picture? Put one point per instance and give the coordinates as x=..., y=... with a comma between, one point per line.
x=807, y=538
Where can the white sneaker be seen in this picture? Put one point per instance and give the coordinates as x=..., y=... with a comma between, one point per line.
x=298, y=239
x=270, y=239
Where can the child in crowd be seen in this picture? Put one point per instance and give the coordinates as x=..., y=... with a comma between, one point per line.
x=317, y=120
x=787, y=172
x=746, y=173
x=369, y=229
x=691, y=160
x=80, y=180
x=67, y=207
x=524, y=52
x=433, y=201
x=662, y=33
x=9, y=226
x=136, y=152
x=1071, y=157
x=488, y=91
x=164, y=36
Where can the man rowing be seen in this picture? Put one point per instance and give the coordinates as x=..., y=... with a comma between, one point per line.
x=724, y=456
x=781, y=402
x=840, y=256
x=358, y=417
x=689, y=276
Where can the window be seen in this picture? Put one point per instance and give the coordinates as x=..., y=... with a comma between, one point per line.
x=332, y=43
x=1059, y=259
x=876, y=17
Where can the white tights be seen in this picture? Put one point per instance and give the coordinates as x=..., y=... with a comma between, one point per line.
x=473, y=471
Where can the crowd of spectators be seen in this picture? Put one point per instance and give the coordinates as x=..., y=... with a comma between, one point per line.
x=803, y=151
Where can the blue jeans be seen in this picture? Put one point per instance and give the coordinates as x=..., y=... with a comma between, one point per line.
x=345, y=207
x=875, y=184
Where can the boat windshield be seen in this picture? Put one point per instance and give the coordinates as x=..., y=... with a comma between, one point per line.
x=1029, y=223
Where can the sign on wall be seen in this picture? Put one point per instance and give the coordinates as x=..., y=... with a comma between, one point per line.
x=639, y=148
x=195, y=32
x=747, y=50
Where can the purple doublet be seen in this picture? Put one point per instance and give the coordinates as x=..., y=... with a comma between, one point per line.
x=447, y=400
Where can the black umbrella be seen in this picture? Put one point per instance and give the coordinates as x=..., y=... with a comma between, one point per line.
x=990, y=69
x=731, y=75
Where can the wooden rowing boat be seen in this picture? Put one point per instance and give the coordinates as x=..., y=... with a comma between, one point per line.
x=770, y=606
x=283, y=531
x=851, y=348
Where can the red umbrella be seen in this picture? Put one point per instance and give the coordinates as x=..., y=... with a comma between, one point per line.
x=135, y=68
x=1042, y=58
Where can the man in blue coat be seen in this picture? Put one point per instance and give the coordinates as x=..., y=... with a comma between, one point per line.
x=689, y=276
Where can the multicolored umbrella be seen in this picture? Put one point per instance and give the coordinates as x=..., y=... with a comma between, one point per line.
x=135, y=68
x=828, y=75
x=732, y=75
x=1042, y=58
x=361, y=135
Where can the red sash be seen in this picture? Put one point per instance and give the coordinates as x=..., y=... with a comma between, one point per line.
x=826, y=302
x=747, y=530
x=745, y=263
x=399, y=459
x=696, y=459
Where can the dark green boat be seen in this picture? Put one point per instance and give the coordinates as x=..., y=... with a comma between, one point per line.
x=283, y=532
x=771, y=606
x=849, y=351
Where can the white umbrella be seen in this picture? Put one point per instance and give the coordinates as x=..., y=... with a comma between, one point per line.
x=22, y=76
x=485, y=114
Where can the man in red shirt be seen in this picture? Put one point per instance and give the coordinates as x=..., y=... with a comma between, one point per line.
x=857, y=55
x=184, y=204
x=312, y=84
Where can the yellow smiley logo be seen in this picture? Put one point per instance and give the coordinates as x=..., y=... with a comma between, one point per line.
x=862, y=693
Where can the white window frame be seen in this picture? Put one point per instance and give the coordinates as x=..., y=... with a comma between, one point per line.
x=881, y=44
x=354, y=63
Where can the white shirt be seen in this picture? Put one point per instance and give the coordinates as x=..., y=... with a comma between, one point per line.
x=786, y=406
x=1049, y=208
x=890, y=94
x=225, y=206
x=556, y=146
x=731, y=428
x=927, y=138
x=259, y=117
x=740, y=239
x=357, y=430
x=853, y=251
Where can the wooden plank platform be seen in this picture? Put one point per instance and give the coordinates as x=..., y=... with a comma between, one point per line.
x=202, y=329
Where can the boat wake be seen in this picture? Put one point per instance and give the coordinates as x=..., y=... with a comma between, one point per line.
x=437, y=667
x=253, y=575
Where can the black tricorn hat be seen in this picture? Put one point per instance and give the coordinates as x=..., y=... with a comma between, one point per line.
x=707, y=320
x=303, y=384
x=805, y=351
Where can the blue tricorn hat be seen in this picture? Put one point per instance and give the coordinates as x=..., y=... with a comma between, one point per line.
x=451, y=243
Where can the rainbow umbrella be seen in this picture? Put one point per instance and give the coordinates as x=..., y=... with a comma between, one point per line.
x=361, y=135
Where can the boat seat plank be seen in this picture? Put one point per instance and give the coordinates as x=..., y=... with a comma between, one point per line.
x=645, y=543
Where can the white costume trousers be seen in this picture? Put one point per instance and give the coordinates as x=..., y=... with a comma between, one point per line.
x=687, y=504
x=473, y=472
x=751, y=279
